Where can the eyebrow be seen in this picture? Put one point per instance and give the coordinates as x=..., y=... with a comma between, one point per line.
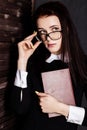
x=51, y=27
x=54, y=26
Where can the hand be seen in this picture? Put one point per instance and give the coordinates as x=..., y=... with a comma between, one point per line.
x=26, y=49
x=50, y=105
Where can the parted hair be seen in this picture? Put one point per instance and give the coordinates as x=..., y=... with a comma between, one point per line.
x=70, y=42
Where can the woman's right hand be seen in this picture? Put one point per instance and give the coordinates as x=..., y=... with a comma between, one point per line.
x=26, y=49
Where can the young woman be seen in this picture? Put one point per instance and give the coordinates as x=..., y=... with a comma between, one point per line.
x=58, y=48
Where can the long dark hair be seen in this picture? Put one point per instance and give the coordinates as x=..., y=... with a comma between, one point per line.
x=70, y=41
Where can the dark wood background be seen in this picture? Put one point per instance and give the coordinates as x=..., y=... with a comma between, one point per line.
x=15, y=19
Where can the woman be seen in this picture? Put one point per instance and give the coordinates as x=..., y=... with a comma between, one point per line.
x=58, y=48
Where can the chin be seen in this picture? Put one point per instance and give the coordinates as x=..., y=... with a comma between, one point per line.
x=54, y=51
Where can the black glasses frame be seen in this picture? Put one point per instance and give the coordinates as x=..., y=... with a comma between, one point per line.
x=48, y=35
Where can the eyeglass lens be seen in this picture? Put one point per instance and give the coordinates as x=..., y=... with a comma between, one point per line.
x=53, y=35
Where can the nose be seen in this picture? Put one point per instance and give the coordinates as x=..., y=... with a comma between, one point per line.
x=48, y=38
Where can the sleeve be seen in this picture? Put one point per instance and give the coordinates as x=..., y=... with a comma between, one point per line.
x=21, y=79
x=21, y=93
x=76, y=115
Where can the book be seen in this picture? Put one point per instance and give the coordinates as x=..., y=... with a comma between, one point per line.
x=58, y=84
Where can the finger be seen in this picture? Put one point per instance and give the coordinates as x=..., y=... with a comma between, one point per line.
x=31, y=36
x=32, y=46
x=37, y=44
x=40, y=94
x=27, y=46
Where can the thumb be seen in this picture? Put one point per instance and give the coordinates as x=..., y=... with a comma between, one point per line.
x=37, y=44
x=40, y=94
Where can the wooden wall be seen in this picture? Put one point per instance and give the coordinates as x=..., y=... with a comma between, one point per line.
x=15, y=16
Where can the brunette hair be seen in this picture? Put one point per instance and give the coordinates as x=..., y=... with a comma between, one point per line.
x=70, y=41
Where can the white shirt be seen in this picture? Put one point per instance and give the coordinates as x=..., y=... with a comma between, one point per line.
x=76, y=114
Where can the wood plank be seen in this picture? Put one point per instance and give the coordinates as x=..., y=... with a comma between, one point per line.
x=12, y=14
x=10, y=36
x=3, y=79
x=9, y=8
x=8, y=25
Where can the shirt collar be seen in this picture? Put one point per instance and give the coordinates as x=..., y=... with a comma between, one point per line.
x=53, y=57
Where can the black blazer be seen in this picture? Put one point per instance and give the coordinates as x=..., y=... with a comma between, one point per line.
x=29, y=114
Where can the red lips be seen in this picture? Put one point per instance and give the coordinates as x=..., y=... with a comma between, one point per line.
x=51, y=44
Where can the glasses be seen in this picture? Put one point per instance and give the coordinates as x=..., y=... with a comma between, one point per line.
x=55, y=35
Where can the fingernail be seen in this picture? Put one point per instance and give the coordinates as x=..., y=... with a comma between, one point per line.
x=34, y=32
x=36, y=92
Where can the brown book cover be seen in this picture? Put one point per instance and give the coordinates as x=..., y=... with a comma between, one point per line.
x=58, y=84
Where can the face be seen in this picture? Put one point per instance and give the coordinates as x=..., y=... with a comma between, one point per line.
x=46, y=25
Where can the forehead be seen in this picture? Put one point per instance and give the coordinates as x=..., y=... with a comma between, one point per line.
x=47, y=21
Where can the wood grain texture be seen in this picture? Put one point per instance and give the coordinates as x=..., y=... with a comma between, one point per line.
x=12, y=26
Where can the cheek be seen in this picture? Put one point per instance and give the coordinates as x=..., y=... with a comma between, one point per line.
x=59, y=43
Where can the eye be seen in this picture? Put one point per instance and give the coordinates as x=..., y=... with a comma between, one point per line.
x=42, y=31
x=55, y=29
